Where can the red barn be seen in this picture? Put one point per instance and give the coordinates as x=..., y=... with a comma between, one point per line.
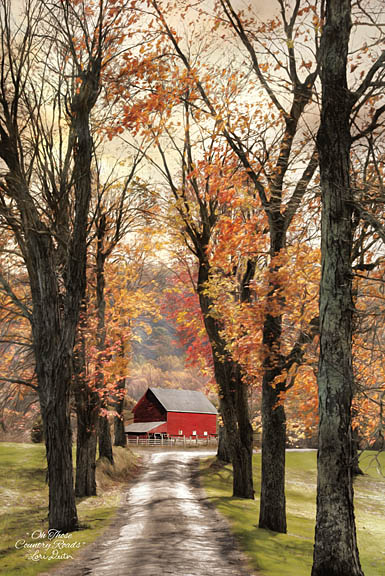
x=171, y=413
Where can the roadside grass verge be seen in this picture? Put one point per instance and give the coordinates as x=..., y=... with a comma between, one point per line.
x=24, y=507
x=290, y=554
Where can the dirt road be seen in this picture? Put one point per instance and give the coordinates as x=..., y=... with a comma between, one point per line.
x=165, y=528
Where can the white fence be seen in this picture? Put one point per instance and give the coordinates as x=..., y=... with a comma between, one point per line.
x=191, y=441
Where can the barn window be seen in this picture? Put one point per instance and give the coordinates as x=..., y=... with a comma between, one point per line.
x=180, y=432
x=204, y=433
x=194, y=433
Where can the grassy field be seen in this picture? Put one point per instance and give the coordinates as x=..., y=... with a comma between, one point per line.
x=291, y=554
x=24, y=506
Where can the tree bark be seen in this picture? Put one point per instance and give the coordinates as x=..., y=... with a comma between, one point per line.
x=55, y=412
x=272, y=512
x=85, y=484
x=105, y=442
x=87, y=411
x=120, y=438
x=233, y=397
x=53, y=341
x=335, y=548
x=104, y=432
x=223, y=452
x=243, y=449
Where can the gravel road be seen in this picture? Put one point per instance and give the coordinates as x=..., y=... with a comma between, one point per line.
x=165, y=527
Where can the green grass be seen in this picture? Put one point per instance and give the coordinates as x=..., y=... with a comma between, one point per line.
x=291, y=554
x=24, y=504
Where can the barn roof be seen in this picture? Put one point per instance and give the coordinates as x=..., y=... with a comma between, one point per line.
x=141, y=427
x=183, y=400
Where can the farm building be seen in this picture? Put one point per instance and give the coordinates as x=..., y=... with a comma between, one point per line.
x=173, y=413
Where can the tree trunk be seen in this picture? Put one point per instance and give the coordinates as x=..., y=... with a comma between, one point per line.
x=243, y=474
x=85, y=484
x=223, y=452
x=55, y=412
x=355, y=458
x=233, y=395
x=120, y=437
x=53, y=341
x=239, y=433
x=87, y=411
x=104, y=432
x=335, y=548
x=105, y=442
x=272, y=512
